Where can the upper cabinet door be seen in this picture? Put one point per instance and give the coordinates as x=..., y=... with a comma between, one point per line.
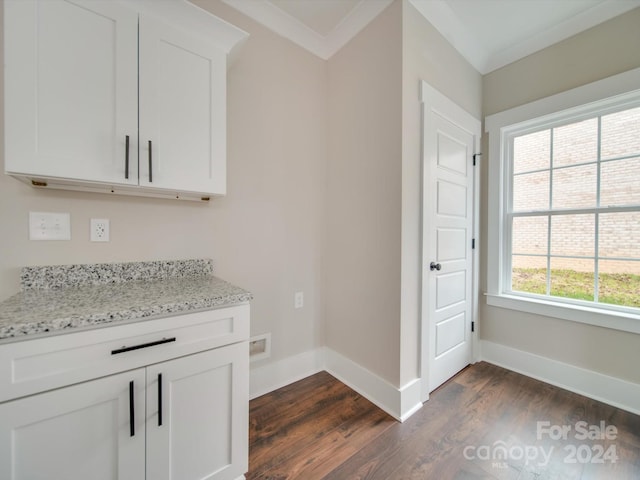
x=71, y=89
x=182, y=110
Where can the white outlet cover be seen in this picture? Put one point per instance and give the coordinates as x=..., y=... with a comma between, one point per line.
x=49, y=226
x=99, y=229
x=298, y=300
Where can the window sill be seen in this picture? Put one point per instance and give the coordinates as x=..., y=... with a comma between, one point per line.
x=626, y=322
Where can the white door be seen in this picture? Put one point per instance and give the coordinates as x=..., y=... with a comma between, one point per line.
x=450, y=139
x=182, y=110
x=76, y=433
x=72, y=90
x=198, y=416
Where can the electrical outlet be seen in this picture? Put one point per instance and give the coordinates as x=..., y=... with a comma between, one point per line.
x=99, y=229
x=298, y=300
x=49, y=226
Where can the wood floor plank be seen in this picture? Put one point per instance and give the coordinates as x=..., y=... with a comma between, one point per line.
x=289, y=435
x=320, y=429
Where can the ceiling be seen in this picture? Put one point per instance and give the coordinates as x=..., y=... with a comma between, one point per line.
x=488, y=33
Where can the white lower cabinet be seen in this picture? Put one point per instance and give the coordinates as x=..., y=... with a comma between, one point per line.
x=198, y=416
x=182, y=419
x=77, y=432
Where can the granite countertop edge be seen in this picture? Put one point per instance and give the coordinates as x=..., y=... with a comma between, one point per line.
x=34, y=313
x=62, y=325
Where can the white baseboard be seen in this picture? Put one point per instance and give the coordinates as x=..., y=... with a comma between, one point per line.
x=403, y=402
x=604, y=388
x=267, y=378
x=400, y=403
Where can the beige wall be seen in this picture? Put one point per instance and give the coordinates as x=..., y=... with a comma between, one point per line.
x=364, y=197
x=600, y=52
x=374, y=185
x=426, y=56
x=265, y=235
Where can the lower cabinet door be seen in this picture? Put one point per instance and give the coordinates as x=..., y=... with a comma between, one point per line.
x=197, y=416
x=94, y=430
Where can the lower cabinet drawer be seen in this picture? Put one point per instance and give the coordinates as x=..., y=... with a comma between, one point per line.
x=37, y=365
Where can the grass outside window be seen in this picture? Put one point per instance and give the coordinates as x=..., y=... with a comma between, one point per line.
x=621, y=289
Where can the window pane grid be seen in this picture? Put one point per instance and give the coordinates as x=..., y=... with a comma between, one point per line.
x=596, y=266
x=563, y=167
x=575, y=191
x=551, y=175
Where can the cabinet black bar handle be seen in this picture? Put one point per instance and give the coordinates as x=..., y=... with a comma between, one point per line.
x=126, y=157
x=142, y=345
x=132, y=413
x=159, y=399
x=150, y=164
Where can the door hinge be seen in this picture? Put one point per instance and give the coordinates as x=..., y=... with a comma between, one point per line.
x=473, y=326
x=474, y=158
x=473, y=244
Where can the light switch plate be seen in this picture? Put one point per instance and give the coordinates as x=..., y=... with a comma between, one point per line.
x=49, y=226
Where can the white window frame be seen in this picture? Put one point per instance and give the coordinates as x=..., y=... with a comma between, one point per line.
x=610, y=93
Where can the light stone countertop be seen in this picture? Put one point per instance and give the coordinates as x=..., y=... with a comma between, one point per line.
x=104, y=294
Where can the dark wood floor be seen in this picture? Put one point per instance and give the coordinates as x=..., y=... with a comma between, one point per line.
x=482, y=424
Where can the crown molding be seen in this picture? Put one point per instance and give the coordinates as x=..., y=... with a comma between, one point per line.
x=440, y=15
x=578, y=23
x=267, y=14
x=199, y=21
x=453, y=30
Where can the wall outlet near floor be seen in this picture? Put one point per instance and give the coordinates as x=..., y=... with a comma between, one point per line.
x=298, y=300
x=49, y=226
x=99, y=229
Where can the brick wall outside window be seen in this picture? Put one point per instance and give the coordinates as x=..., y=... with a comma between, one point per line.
x=574, y=180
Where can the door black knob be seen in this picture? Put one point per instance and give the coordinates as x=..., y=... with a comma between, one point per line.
x=434, y=266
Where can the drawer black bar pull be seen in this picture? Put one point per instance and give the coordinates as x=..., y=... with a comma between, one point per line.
x=126, y=157
x=142, y=345
x=150, y=164
x=159, y=399
x=132, y=413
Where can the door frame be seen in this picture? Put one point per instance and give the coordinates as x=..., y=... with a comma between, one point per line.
x=432, y=100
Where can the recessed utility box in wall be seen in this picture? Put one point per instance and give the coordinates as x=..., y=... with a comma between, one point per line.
x=260, y=347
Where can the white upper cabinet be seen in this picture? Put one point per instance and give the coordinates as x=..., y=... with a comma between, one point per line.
x=123, y=97
x=182, y=110
x=71, y=90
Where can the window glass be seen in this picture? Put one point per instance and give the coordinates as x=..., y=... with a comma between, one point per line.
x=621, y=134
x=530, y=235
x=575, y=187
x=572, y=278
x=532, y=152
x=619, y=236
x=531, y=191
x=575, y=143
x=614, y=279
x=619, y=184
x=529, y=274
x=573, y=235
x=575, y=211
